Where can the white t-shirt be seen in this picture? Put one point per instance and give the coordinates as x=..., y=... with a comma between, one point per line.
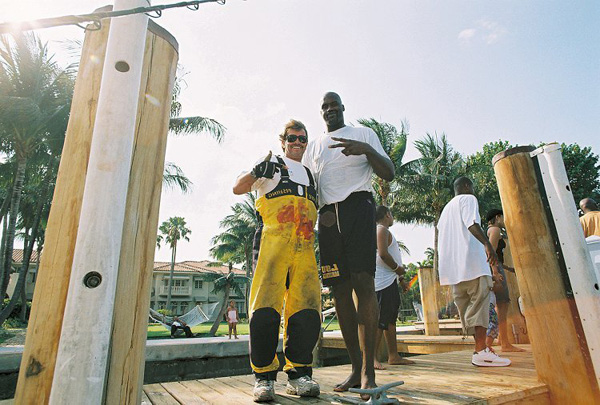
x=461, y=256
x=295, y=169
x=384, y=274
x=338, y=175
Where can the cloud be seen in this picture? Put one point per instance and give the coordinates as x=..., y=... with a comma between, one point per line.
x=486, y=31
x=465, y=36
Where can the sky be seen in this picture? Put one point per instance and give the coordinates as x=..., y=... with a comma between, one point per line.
x=522, y=71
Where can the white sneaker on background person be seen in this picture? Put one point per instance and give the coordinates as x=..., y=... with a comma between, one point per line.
x=488, y=358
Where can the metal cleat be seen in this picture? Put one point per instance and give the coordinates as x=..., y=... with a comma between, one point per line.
x=378, y=395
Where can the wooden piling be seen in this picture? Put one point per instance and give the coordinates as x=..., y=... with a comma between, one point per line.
x=132, y=302
x=514, y=320
x=125, y=374
x=560, y=350
x=43, y=333
x=429, y=291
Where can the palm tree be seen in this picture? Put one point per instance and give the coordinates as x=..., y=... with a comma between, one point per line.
x=173, y=176
x=35, y=97
x=394, y=144
x=225, y=283
x=428, y=185
x=172, y=230
x=234, y=245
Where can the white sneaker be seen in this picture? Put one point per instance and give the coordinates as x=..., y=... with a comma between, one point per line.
x=303, y=386
x=264, y=390
x=488, y=358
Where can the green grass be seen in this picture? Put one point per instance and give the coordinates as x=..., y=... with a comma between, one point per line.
x=156, y=331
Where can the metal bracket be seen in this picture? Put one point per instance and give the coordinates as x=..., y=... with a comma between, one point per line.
x=378, y=395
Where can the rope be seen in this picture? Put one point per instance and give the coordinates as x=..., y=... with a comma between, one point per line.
x=95, y=18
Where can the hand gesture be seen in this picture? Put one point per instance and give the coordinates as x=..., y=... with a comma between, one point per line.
x=351, y=147
x=266, y=168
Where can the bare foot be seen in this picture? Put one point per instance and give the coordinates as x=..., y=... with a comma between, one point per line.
x=366, y=397
x=353, y=381
x=377, y=365
x=512, y=348
x=399, y=361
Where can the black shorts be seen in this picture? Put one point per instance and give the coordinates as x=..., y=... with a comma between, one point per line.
x=389, y=302
x=347, y=238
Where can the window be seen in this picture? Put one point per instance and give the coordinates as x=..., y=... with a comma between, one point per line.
x=197, y=284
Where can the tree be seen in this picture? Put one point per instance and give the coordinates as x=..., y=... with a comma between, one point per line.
x=481, y=172
x=35, y=97
x=581, y=165
x=234, y=245
x=583, y=171
x=173, y=176
x=427, y=186
x=225, y=284
x=394, y=144
x=172, y=230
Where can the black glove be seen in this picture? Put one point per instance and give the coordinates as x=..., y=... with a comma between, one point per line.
x=265, y=169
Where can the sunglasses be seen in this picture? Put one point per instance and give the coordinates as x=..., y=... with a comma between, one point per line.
x=293, y=138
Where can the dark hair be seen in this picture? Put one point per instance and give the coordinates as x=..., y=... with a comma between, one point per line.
x=380, y=212
x=461, y=183
x=292, y=124
x=492, y=214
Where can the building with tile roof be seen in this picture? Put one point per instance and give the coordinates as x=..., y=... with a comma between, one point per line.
x=193, y=283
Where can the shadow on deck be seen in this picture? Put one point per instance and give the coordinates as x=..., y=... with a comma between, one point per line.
x=444, y=378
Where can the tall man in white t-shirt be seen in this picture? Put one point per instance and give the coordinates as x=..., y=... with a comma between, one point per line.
x=464, y=254
x=286, y=268
x=344, y=160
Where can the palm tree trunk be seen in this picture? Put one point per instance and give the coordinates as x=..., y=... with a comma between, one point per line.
x=29, y=248
x=217, y=322
x=12, y=223
x=3, y=251
x=435, y=248
x=173, y=253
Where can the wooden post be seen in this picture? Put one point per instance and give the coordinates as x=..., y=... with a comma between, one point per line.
x=427, y=285
x=514, y=320
x=43, y=333
x=130, y=326
x=139, y=233
x=559, y=347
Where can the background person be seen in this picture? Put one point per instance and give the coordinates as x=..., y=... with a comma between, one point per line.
x=495, y=221
x=344, y=160
x=179, y=324
x=590, y=221
x=387, y=271
x=463, y=264
x=286, y=268
x=232, y=319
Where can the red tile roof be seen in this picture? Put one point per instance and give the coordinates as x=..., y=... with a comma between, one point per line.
x=18, y=256
x=191, y=266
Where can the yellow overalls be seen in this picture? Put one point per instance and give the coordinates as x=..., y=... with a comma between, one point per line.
x=286, y=270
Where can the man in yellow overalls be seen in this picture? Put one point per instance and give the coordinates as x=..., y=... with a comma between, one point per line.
x=286, y=268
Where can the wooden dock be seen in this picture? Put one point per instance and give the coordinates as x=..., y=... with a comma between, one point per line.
x=445, y=378
x=414, y=344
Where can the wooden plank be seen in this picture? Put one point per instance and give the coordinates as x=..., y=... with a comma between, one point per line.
x=132, y=299
x=41, y=343
x=281, y=396
x=183, y=394
x=559, y=347
x=145, y=400
x=427, y=285
x=158, y=395
x=203, y=391
x=226, y=394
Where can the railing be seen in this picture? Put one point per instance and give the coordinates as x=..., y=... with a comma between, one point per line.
x=175, y=290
